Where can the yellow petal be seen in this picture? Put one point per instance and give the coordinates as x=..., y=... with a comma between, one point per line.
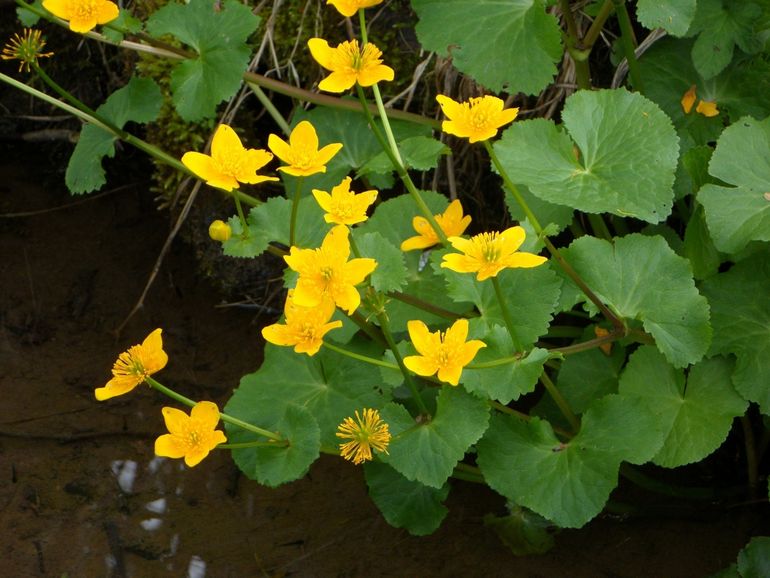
x=511, y=239
x=336, y=242
x=322, y=52
x=449, y=107
x=423, y=340
x=204, y=168
x=304, y=136
x=458, y=333
x=524, y=260
x=106, y=12
x=278, y=334
x=323, y=199
x=306, y=294
x=280, y=148
x=168, y=446
x=347, y=298
x=356, y=270
x=420, y=365
x=460, y=263
x=118, y=385
x=81, y=25
x=225, y=143
x=176, y=420
x=255, y=160
x=207, y=413
x=327, y=153
x=688, y=99
x=418, y=242
x=468, y=351
x=707, y=108
x=338, y=81
x=153, y=357
x=59, y=8
x=450, y=373
x=194, y=457
x=373, y=74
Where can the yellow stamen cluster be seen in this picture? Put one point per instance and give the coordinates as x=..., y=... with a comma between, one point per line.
x=364, y=433
x=26, y=47
x=190, y=437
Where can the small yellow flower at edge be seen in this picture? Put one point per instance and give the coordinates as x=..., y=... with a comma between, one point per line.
x=83, y=15
x=688, y=99
x=26, y=47
x=446, y=353
x=343, y=206
x=301, y=152
x=229, y=162
x=349, y=64
x=477, y=119
x=351, y=7
x=365, y=433
x=452, y=222
x=134, y=365
x=220, y=231
x=304, y=328
x=190, y=437
x=487, y=254
x=705, y=107
x=326, y=272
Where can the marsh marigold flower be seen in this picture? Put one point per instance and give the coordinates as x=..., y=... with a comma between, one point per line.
x=83, y=15
x=343, y=206
x=220, y=231
x=487, y=254
x=229, y=162
x=301, y=153
x=134, y=365
x=364, y=434
x=350, y=7
x=451, y=221
x=26, y=47
x=192, y=436
x=304, y=327
x=705, y=107
x=446, y=353
x=327, y=273
x=349, y=64
x=477, y=119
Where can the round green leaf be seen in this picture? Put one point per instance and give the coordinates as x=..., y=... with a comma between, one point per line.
x=427, y=452
x=754, y=559
x=404, y=503
x=674, y=16
x=626, y=155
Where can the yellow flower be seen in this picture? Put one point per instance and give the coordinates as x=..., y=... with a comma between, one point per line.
x=688, y=99
x=452, y=222
x=26, y=48
x=707, y=108
x=190, y=437
x=301, y=152
x=343, y=206
x=349, y=64
x=134, y=365
x=478, y=119
x=350, y=7
x=326, y=272
x=220, y=231
x=305, y=327
x=229, y=163
x=489, y=253
x=83, y=15
x=365, y=434
x=445, y=353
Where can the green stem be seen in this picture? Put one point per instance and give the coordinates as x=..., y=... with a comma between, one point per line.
x=244, y=224
x=424, y=305
x=506, y=315
x=509, y=410
x=513, y=189
x=599, y=226
x=628, y=41
x=244, y=445
x=459, y=474
x=385, y=326
x=294, y=210
x=223, y=416
x=359, y=357
x=562, y=404
x=574, y=47
x=596, y=27
x=362, y=25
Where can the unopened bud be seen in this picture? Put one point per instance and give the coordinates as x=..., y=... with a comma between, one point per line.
x=220, y=231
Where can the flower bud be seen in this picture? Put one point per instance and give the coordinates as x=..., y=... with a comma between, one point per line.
x=220, y=231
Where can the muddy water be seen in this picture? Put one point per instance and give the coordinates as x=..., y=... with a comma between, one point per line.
x=82, y=495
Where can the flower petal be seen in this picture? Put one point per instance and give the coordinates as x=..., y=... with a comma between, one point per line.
x=168, y=446
x=423, y=340
x=338, y=81
x=524, y=260
x=511, y=239
x=418, y=242
x=449, y=107
x=327, y=152
x=118, y=385
x=225, y=143
x=347, y=298
x=206, y=413
x=322, y=52
x=468, y=351
x=450, y=373
x=323, y=199
x=373, y=74
x=421, y=365
x=280, y=148
x=176, y=420
x=304, y=136
x=278, y=334
x=460, y=263
x=457, y=333
x=356, y=270
x=204, y=168
x=106, y=12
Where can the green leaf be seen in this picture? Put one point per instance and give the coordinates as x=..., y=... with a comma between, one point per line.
x=699, y=248
x=531, y=296
x=329, y=386
x=547, y=213
x=642, y=278
x=124, y=21
x=275, y=465
x=524, y=532
x=510, y=45
x=568, y=483
x=404, y=503
x=390, y=274
x=740, y=315
x=249, y=245
x=420, y=153
x=427, y=452
x=754, y=559
x=271, y=221
x=27, y=17
x=627, y=149
x=695, y=415
x=218, y=33
x=674, y=16
x=139, y=101
x=722, y=27
x=741, y=213
x=508, y=382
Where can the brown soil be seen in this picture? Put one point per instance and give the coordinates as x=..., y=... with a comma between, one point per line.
x=82, y=495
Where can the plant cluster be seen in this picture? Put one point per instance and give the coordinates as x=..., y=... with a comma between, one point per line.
x=426, y=353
